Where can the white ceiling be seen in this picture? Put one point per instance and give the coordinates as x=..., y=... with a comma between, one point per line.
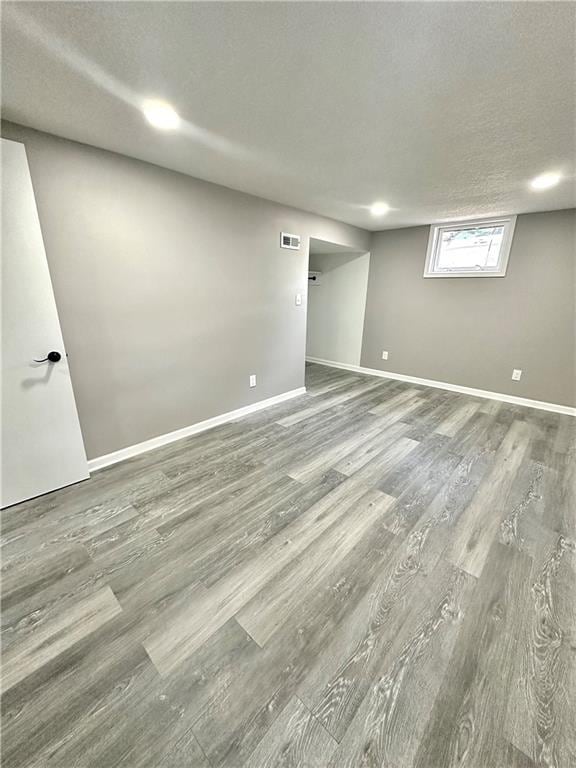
x=443, y=110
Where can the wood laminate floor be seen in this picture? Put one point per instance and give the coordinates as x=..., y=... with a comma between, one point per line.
x=373, y=574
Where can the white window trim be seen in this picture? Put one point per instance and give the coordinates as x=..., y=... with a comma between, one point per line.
x=509, y=223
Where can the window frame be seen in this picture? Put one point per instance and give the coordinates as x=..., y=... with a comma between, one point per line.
x=435, y=236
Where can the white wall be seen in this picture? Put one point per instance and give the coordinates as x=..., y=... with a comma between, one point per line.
x=336, y=306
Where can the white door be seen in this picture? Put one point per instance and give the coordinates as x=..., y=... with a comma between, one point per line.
x=42, y=446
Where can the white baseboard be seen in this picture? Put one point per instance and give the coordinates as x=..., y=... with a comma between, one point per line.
x=193, y=429
x=566, y=410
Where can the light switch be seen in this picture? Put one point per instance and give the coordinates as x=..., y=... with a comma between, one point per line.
x=298, y=299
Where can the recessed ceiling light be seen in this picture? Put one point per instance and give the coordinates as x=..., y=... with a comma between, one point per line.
x=161, y=115
x=379, y=209
x=545, y=180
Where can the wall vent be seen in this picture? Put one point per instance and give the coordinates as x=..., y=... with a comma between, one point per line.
x=289, y=241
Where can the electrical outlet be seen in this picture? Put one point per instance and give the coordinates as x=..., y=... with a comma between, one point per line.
x=384, y=355
x=298, y=299
x=252, y=379
x=516, y=374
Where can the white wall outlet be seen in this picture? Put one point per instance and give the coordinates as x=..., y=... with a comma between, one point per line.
x=298, y=299
x=252, y=379
x=384, y=355
x=516, y=374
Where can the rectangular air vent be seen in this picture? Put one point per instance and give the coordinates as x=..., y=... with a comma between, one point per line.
x=289, y=241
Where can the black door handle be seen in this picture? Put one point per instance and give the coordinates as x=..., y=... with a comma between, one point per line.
x=52, y=357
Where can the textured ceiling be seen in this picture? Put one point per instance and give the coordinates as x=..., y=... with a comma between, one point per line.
x=443, y=110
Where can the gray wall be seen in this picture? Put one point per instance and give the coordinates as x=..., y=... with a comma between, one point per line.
x=474, y=331
x=171, y=291
x=336, y=306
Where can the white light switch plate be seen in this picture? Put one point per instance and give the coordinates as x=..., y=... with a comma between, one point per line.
x=298, y=299
x=384, y=355
x=516, y=374
x=252, y=379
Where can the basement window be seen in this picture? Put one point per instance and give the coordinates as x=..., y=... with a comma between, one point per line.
x=477, y=248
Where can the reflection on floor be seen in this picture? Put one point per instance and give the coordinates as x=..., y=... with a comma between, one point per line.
x=373, y=574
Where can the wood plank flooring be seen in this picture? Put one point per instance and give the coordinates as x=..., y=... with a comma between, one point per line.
x=372, y=574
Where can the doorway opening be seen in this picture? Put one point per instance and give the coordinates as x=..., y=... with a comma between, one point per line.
x=337, y=286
